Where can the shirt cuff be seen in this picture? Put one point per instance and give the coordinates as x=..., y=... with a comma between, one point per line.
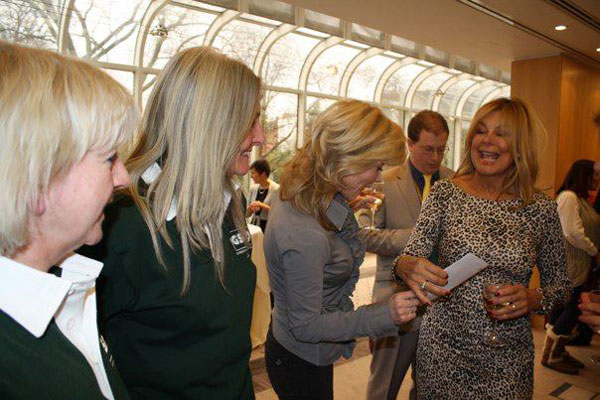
x=379, y=321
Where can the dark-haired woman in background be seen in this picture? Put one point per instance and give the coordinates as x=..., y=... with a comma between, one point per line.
x=581, y=227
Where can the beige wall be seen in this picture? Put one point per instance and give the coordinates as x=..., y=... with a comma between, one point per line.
x=579, y=136
x=538, y=83
x=566, y=95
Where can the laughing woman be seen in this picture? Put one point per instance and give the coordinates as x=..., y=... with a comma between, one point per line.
x=176, y=302
x=61, y=121
x=490, y=208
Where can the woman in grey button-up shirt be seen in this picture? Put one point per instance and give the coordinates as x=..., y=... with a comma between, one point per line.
x=313, y=252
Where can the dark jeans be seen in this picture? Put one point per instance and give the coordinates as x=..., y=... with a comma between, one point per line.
x=565, y=319
x=293, y=378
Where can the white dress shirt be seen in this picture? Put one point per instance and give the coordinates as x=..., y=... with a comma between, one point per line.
x=32, y=298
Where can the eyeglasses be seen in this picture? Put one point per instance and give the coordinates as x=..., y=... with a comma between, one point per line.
x=429, y=150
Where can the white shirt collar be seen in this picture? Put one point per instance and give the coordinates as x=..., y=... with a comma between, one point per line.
x=32, y=297
x=153, y=171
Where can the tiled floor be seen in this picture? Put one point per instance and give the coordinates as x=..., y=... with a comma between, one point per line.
x=351, y=376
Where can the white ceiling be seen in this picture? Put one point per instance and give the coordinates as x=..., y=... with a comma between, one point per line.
x=493, y=32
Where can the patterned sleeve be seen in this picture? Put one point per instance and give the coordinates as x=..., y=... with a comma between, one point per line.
x=425, y=235
x=552, y=262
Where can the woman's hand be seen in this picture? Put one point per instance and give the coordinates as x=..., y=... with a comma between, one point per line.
x=361, y=202
x=256, y=206
x=422, y=276
x=403, y=307
x=590, y=311
x=517, y=300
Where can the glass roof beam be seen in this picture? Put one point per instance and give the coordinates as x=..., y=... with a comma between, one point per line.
x=64, y=25
x=460, y=104
x=150, y=14
x=494, y=94
x=445, y=86
x=265, y=46
x=218, y=24
x=353, y=65
x=312, y=57
x=414, y=86
x=386, y=75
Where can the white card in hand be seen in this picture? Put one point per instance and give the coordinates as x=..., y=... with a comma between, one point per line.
x=462, y=270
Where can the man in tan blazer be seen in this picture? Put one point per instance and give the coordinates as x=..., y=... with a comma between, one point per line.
x=405, y=186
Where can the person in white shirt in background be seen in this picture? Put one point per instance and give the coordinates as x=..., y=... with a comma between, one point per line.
x=61, y=122
x=581, y=228
x=260, y=193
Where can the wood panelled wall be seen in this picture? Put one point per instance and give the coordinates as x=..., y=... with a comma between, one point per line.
x=566, y=96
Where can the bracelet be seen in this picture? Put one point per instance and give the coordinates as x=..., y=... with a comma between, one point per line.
x=543, y=303
x=395, y=276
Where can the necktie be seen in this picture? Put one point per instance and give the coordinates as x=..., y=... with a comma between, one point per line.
x=426, y=187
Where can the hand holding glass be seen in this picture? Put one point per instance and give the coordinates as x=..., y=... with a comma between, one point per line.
x=375, y=191
x=489, y=292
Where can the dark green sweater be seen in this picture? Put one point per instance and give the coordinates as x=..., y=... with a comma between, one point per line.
x=167, y=346
x=49, y=367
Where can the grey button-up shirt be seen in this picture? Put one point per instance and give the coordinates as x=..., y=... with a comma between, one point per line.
x=313, y=273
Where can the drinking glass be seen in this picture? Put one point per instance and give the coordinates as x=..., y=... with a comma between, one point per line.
x=489, y=292
x=375, y=191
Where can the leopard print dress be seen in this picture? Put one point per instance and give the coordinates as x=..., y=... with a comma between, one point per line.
x=453, y=359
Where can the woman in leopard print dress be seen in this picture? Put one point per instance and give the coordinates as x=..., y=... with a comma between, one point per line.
x=491, y=209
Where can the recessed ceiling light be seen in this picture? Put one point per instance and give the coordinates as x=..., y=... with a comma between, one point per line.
x=598, y=49
x=560, y=27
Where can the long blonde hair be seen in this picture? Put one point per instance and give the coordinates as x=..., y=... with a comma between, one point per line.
x=54, y=110
x=201, y=108
x=526, y=132
x=349, y=137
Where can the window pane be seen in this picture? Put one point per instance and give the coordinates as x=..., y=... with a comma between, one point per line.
x=437, y=56
x=327, y=71
x=280, y=122
x=449, y=99
x=105, y=30
x=427, y=90
x=395, y=88
x=474, y=101
x=185, y=28
x=504, y=92
x=125, y=78
x=395, y=115
x=314, y=107
x=364, y=79
x=322, y=22
x=241, y=40
x=404, y=46
x=34, y=22
x=449, y=156
x=367, y=35
x=273, y=9
x=285, y=60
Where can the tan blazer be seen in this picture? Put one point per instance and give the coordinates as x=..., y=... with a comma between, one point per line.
x=395, y=220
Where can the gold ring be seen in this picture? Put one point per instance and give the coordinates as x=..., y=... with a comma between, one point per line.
x=513, y=306
x=422, y=286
